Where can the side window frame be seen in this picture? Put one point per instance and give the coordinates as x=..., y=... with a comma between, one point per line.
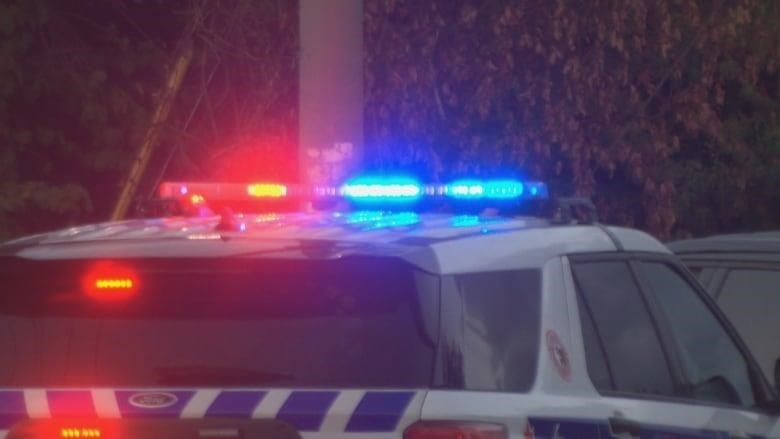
x=763, y=392
x=761, y=389
x=665, y=338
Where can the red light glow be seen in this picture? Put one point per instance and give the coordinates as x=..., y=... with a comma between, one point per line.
x=266, y=190
x=114, y=284
x=80, y=432
x=110, y=281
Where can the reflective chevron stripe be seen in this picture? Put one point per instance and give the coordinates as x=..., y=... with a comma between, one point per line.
x=307, y=410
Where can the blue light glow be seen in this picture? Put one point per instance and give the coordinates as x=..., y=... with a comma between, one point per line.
x=465, y=221
x=372, y=220
x=537, y=190
x=382, y=189
x=491, y=189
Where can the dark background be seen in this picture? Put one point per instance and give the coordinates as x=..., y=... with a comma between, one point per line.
x=665, y=113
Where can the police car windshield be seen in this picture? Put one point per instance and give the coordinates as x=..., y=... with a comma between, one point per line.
x=353, y=322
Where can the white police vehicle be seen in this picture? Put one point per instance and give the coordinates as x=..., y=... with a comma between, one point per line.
x=366, y=324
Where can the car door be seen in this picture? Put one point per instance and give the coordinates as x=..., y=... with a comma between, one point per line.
x=659, y=355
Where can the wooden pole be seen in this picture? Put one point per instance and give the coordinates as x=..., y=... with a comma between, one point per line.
x=163, y=108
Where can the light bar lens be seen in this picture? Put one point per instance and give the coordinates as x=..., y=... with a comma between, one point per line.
x=371, y=189
x=382, y=189
x=266, y=190
x=197, y=199
x=495, y=189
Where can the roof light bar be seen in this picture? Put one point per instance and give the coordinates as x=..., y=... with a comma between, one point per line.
x=223, y=191
x=398, y=189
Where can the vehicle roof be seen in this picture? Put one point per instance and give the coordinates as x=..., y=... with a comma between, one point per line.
x=435, y=242
x=757, y=242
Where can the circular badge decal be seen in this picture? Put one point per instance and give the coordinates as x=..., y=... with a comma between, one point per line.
x=153, y=400
x=558, y=355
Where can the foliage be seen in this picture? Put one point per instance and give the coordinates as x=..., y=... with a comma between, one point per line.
x=236, y=117
x=74, y=99
x=80, y=80
x=600, y=97
x=665, y=112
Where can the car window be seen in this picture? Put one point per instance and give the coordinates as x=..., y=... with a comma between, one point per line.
x=595, y=357
x=751, y=300
x=622, y=334
x=490, y=330
x=355, y=322
x=715, y=367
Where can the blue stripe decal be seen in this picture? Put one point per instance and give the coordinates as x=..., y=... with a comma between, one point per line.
x=235, y=403
x=305, y=410
x=590, y=428
x=12, y=408
x=379, y=411
x=166, y=404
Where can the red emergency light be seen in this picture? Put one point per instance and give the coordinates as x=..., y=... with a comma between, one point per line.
x=223, y=191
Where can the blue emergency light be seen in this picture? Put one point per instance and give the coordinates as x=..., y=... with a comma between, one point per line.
x=381, y=189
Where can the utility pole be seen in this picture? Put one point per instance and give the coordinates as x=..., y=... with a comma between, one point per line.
x=330, y=126
x=161, y=112
x=183, y=57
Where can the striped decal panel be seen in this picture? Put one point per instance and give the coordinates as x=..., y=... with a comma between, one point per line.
x=235, y=403
x=379, y=411
x=12, y=408
x=307, y=410
x=64, y=403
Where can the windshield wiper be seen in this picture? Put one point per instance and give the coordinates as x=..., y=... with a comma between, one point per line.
x=220, y=376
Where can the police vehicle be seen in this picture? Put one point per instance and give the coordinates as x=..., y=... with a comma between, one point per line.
x=742, y=272
x=373, y=322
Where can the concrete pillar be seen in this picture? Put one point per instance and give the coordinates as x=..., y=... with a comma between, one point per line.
x=330, y=126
